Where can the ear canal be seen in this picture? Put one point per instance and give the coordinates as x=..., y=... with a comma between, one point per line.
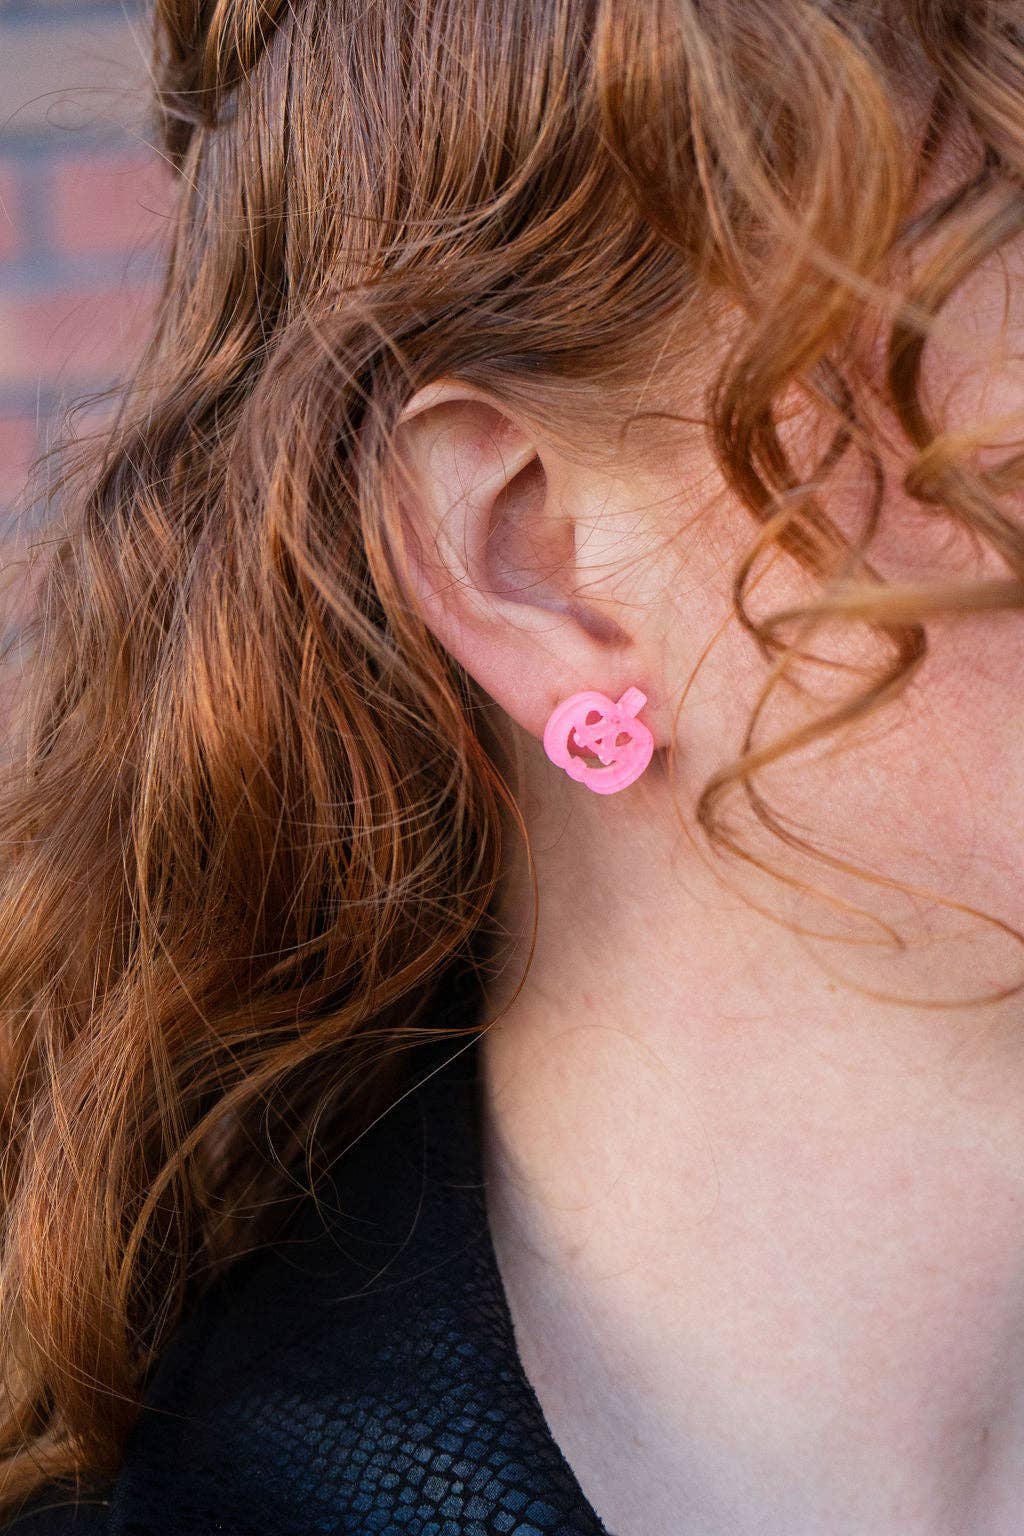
x=525, y=547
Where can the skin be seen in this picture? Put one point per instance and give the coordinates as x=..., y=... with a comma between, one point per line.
x=761, y=1226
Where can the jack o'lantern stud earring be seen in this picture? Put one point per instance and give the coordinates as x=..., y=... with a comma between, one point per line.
x=593, y=723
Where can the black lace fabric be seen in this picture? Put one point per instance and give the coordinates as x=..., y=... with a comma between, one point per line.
x=360, y=1377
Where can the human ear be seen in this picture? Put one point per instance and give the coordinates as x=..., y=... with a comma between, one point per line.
x=490, y=513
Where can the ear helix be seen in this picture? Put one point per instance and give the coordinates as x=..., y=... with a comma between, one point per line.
x=592, y=722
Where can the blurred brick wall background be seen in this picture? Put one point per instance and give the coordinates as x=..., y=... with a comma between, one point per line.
x=81, y=200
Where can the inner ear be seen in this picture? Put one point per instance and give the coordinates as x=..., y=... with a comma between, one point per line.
x=527, y=544
x=531, y=552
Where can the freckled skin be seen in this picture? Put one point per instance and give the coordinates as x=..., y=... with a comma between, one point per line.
x=755, y=1146
x=764, y=1229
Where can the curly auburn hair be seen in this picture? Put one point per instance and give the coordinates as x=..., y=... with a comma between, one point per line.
x=252, y=815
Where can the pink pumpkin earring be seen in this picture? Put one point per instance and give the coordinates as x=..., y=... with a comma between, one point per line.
x=594, y=723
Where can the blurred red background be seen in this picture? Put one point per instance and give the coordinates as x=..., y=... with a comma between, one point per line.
x=82, y=200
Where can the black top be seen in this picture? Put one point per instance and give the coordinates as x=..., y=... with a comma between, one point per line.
x=359, y=1376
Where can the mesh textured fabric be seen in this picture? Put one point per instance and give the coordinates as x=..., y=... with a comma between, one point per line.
x=360, y=1377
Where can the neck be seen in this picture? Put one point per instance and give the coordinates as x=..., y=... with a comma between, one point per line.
x=761, y=1235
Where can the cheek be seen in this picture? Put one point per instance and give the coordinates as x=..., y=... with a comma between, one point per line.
x=933, y=796
x=959, y=768
x=928, y=790
x=946, y=768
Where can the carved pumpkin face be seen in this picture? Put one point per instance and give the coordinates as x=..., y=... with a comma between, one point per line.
x=591, y=722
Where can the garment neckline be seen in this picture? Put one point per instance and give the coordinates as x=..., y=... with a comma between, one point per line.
x=448, y=1085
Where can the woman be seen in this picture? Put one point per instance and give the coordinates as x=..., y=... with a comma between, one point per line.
x=512, y=895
